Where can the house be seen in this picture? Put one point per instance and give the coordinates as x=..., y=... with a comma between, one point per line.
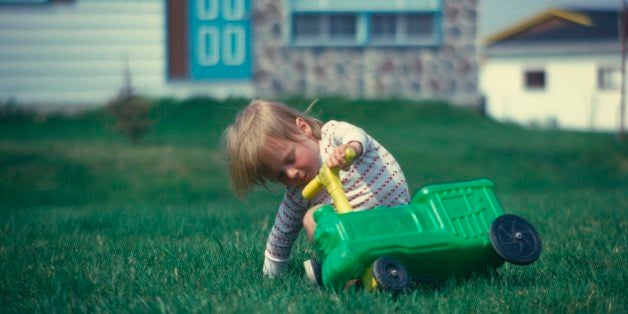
x=560, y=68
x=75, y=52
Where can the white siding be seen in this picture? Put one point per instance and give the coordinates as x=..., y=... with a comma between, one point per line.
x=75, y=54
x=571, y=96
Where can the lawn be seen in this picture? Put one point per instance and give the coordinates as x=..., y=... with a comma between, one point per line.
x=91, y=223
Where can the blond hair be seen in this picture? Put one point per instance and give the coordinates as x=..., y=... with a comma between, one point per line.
x=244, y=141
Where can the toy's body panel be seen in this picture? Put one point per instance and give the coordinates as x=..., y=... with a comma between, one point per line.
x=444, y=230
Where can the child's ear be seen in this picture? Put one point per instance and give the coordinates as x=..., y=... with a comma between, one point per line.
x=303, y=126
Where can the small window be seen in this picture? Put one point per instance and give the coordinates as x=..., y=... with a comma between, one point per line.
x=383, y=27
x=342, y=26
x=608, y=79
x=419, y=26
x=400, y=29
x=535, y=79
x=308, y=26
x=324, y=27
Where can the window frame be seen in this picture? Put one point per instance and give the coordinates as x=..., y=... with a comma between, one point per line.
x=324, y=26
x=364, y=11
x=400, y=34
x=389, y=28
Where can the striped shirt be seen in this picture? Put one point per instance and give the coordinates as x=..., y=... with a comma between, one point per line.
x=374, y=179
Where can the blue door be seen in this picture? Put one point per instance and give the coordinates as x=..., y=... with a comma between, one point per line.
x=220, y=39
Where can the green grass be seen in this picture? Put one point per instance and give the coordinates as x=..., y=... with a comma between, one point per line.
x=90, y=223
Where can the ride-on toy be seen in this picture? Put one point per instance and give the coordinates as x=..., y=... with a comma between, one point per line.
x=445, y=230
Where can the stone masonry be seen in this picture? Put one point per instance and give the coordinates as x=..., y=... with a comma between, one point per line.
x=448, y=71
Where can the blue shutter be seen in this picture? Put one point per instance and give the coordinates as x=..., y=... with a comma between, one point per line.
x=220, y=39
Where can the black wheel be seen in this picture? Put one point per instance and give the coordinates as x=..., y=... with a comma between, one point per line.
x=390, y=274
x=515, y=240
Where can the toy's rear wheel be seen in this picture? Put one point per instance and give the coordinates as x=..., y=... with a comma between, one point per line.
x=390, y=274
x=515, y=240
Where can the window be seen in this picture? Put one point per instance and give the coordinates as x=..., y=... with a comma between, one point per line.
x=419, y=26
x=342, y=26
x=608, y=78
x=535, y=79
x=400, y=28
x=364, y=23
x=308, y=26
x=383, y=27
x=324, y=27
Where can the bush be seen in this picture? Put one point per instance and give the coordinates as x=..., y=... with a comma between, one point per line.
x=12, y=110
x=130, y=112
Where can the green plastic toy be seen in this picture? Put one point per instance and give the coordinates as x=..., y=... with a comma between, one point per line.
x=447, y=229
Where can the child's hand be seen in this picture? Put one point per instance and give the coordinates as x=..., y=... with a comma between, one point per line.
x=273, y=268
x=337, y=157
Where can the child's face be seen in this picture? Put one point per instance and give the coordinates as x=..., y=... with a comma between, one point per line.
x=294, y=163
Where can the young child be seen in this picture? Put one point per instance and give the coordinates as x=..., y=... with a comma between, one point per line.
x=270, y=142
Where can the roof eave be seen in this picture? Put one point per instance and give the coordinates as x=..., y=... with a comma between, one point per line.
x=567, y=15
x=554, y=48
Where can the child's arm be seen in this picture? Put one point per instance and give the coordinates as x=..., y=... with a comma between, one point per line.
x=283, y=234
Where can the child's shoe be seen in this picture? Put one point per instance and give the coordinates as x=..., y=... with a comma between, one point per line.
x=313, y=272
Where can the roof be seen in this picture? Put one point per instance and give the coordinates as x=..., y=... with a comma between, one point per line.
x=573, y=25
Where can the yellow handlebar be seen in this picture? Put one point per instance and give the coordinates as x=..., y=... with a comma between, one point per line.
x=329, y=178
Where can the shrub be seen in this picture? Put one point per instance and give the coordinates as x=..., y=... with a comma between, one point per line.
x=130, y=111
x=12, y=110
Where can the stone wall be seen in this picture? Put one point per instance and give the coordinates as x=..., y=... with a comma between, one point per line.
x=449, y=71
